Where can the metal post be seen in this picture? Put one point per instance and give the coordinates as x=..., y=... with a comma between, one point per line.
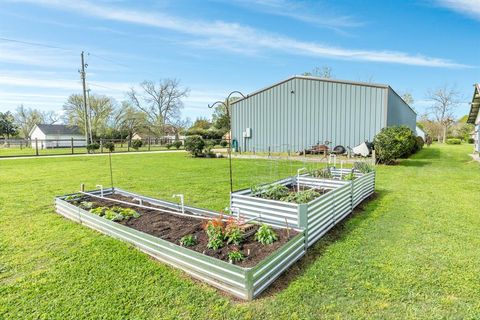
x=71, y=144
x=269, y=151
x=227, y=107
x=148, y=143
x=36, y=146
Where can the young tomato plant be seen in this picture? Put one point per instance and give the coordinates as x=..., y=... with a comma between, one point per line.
x=233, y=233
x=235, y=256
x=324, y=173
x=302, y=196
x=273, y=191
x=349, y=177
x=215, y=233
x=188, y=240
x=266, y=235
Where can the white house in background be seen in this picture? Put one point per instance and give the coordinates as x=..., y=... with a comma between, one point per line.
x=420, y=132
x=56, y=136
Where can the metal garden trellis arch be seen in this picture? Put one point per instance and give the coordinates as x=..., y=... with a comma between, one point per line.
x=227, y=107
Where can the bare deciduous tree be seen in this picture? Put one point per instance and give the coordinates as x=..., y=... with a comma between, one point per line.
x=132, y=120
x=408, y=98
x=101, y=109
x=27, y=118
x=323, y=72
x=431, y=127
x=161, y=102
x=445, y=99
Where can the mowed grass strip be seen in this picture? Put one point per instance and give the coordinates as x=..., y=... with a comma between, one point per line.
x=413, y=252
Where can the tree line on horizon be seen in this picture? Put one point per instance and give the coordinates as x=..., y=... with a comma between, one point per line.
x=154, y=109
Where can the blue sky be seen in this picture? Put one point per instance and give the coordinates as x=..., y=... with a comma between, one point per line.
x=214, y=47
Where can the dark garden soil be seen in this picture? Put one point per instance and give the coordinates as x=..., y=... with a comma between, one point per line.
x=172, y=228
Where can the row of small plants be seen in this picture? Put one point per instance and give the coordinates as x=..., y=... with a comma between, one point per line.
x=326, y=173
x=282, y=193
x=230, y=233
x=115, y=213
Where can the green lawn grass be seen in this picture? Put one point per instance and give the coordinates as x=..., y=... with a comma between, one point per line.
x=14, y=151
x=414, y=252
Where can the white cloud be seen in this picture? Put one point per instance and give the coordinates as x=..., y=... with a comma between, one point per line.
x=17, y=53
x=241, y=38
x=297, y=10
x=49, y=93
x=469, y=8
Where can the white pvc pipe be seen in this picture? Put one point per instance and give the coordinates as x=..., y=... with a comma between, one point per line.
x=298, y=176
x=237, y=211
x=181, y=201
x=341, y=169
x=334, y=157
x=101, y=189
x=138, y=199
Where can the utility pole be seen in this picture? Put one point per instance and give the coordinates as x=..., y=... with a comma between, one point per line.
x=89, y=115
x=82, y=76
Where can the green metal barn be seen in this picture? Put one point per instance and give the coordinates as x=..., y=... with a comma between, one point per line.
x=301, y=111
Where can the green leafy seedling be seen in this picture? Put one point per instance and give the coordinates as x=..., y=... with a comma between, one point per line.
x=99, y=211
x=265, y=235
x=215, y=235
x=188, y=240
x=235, y=256
x=113, y=215
x=349, y=177
x=233, y=234
x=87, y=205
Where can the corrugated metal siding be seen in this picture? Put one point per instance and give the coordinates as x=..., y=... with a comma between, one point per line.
x=343, y=113
x=399, y=113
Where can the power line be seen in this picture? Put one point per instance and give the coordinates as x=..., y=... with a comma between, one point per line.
x=121, y=64
x=102, y=86
x=36, y=44
x=109, y=60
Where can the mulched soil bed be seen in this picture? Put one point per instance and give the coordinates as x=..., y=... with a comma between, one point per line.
x=172, y=228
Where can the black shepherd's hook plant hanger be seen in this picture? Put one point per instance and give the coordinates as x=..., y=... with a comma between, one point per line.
x=226, y=104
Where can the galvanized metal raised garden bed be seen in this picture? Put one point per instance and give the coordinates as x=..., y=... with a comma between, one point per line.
x=317, y=216
x=244, y=283
x=363, y=185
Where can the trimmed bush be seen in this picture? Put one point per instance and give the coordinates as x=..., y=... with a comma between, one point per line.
x=91, y=147
x=177, y=144
x=470, y=140
x=454, y=141
x=168, y=145
x=224, y=143
x=419, y=143
x=110, y=146
x=137, y=144
x=394, y=142
x=195, y=144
